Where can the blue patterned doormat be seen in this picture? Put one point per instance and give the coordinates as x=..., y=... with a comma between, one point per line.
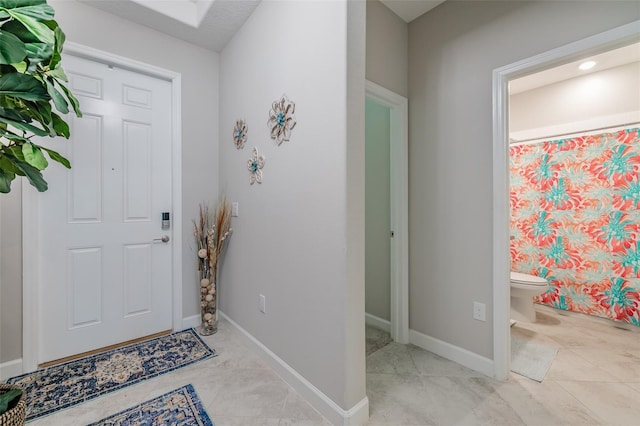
x=180, y=407
x=65, y=385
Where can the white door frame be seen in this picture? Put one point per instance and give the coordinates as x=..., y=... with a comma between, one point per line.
x=399, y=159
x=30, y=300
x=598, y=43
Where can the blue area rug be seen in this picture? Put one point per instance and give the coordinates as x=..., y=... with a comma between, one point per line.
x=64, y=385
x=180, y=407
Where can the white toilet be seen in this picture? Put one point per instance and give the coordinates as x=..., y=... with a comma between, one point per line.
x=524, y=288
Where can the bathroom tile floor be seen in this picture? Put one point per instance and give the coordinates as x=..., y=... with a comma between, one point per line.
x=594, y=380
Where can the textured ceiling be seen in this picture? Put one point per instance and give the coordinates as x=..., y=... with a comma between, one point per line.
x=219, y=24
x=409, y=10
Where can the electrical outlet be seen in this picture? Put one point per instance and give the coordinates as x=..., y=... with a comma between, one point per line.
x=263, y=304
x=234, y=209
x=479, y=311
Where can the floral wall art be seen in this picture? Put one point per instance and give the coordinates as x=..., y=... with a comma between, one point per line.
x=575, y=220
x=282, y=119
x=255, y=165
x=240, y=133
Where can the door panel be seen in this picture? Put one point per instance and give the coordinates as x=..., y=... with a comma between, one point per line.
x=103, y=279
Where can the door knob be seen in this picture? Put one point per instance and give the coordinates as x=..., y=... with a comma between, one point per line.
x=164, y=239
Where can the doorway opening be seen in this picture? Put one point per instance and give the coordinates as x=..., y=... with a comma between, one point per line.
x=609, y=40
x=390, y=241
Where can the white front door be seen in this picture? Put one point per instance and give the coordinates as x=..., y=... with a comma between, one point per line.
x=104, y=274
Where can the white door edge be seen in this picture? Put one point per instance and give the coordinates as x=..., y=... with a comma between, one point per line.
x=399, y=153
x=30, y=299
x=598, y=43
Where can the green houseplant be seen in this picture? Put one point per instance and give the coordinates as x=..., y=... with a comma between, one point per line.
x=32, y=89
x=12, y=405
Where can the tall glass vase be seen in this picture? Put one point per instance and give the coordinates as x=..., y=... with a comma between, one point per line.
x=208, y=299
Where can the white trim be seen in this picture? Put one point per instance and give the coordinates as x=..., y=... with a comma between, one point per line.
x=399, y=153
x=30, y=278
x=454, y=353
x=356, y=415
x=377, y=322
x=31, y=302
x=190, y=322
x=608, y=40
x=10, y=368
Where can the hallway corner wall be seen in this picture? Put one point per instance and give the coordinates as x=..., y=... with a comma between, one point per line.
x=292, y=241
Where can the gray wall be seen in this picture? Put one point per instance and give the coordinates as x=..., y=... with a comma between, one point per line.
x=377, y=210
x=387, y=48
x=291, y=240
x=199, y=67
x=453, y=50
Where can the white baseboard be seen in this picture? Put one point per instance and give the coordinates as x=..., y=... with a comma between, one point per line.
x=377, y=322
x=355, y=416
x=190, y=322
x=454, y=353
x=10, y=369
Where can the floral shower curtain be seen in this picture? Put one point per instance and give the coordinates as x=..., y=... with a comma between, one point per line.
x=575, y=220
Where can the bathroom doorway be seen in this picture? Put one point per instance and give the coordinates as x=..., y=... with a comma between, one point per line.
x=386, y=217
x=502, y=77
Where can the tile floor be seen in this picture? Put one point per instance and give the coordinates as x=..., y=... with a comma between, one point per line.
x=594, y=380
x=237, y=388
x=376, y=339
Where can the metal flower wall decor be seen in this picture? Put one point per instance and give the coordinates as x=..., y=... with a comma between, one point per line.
x=282, y=119
x=240, y=133
x=255, y=165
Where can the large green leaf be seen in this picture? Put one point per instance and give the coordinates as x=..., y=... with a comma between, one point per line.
x=60, y=126
x=16, y=28
x=57, y=157
x=12, y=50
x=14, y=114
x=33, y=174
x=58, y=99
x=58, y=74
x=41, y=12
x=5, y=181
x=72, y=99
x=23, y=86
x=34, y=156
x=39, y=111
x=6, y=164
x=38, y=52
x=56, y=57
x=12, y=4
x=26, y=127
x=34, y=26
x=14, y=137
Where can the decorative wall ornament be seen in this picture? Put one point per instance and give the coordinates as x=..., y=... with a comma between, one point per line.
x=282, y=119
x=255, y=165
x=240, y=133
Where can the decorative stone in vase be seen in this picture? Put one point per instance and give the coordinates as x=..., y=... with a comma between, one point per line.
x=208, y=304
